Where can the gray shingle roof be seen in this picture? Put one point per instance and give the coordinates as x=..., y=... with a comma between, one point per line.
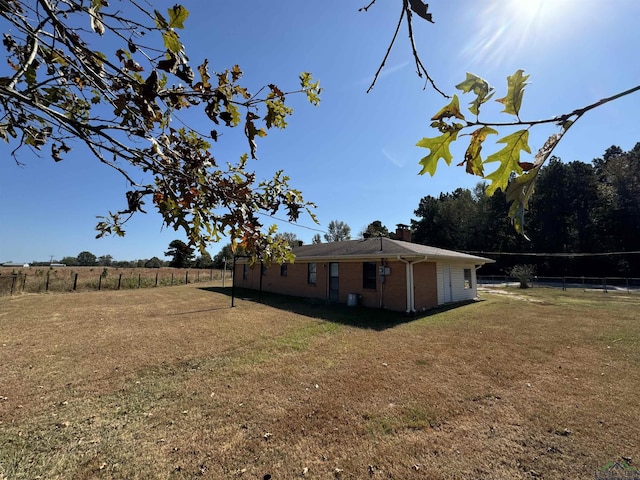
x=380, y=247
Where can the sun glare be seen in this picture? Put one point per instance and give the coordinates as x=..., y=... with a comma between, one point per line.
x=507, y=28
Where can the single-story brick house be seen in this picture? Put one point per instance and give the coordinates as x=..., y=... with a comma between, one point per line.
x=377, y=272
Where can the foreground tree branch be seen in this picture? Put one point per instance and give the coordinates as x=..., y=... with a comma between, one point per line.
x=56, y=91
x=517, y=178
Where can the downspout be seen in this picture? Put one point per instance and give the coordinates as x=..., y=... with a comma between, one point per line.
x=408, y=281
x=411, y=296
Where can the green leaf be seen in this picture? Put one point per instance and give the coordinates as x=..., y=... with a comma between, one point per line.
x=439, y=148
x=515, y=91
x=509, y=158
x=177, y=15
x=172, y=41
x=451, y=110
x=472, y=155
x=480, y=87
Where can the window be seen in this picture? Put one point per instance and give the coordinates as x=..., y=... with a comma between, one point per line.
x=467, y=279
x=245, y=271
x=311, y=273
x=369, y=275
x=283, y=270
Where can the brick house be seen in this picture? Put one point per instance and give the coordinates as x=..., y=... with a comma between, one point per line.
x=377, y=272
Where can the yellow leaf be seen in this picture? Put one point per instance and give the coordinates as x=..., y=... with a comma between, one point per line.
x=515, y=91
x=509, y=158
x=451, y=110
x=439, y=148
x=472, y=155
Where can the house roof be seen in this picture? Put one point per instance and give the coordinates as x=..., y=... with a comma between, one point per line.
x=380, y=247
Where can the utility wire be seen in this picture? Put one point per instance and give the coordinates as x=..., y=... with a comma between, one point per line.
x=535, y=254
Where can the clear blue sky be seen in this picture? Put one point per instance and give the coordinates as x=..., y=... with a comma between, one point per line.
x=354, y=155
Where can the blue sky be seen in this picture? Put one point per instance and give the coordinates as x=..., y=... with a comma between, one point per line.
x=354, y=155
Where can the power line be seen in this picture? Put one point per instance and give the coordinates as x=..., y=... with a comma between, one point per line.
x=293, y=223
x=535, y=254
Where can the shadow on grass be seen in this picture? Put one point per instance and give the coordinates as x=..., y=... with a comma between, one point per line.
x=359, y=317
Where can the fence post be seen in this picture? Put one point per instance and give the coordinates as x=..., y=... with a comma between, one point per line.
x=172, y=279
x=211, y=274
x=24, y=282
x=46, y=287
x=75, y=282
x=156, y=279
x=186, y=278
x=13, y=282
x=100, y=282
x=139, y=280
x=198, y=276
x=119, y=281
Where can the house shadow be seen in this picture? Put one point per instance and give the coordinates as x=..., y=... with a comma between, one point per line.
x=359, y=317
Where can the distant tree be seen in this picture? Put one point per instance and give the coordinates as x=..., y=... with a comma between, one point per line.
x=523, y=274
x=375, y=229
x=181, y=253
x=105, y=260
x=124, y=264
x=153, y=262
x=316, y=239
x=69, y=261
x=219, y=258
x=204, y=261
x=86, y=258
x=290, y=238
x=447, y=221
x=337, y=231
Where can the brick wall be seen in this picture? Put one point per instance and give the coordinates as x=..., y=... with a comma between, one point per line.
x=391, y=294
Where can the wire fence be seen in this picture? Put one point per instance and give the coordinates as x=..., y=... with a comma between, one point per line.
x=604, y=284
x=70, y=279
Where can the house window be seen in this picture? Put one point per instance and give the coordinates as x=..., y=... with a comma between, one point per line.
x=467, y=279
x=311, y=273
x=245, y=271
x=283, y=270
x=369, y=275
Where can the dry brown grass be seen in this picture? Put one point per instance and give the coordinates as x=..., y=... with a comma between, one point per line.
x=172, y=383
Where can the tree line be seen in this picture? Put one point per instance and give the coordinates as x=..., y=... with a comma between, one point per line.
x=579, y=208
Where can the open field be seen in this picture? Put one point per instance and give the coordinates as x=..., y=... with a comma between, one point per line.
x=171, y=383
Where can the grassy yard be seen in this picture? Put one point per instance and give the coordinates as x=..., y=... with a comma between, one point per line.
x=171, y=383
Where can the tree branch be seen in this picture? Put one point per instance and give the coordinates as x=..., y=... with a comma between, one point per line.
x=384, y=60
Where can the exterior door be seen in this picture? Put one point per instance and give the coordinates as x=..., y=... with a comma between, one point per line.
x=333, y=281
x=446, y=274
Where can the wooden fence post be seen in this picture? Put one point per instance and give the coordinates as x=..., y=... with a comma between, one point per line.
x=156, y=279
x=46, y=287
x=75, y=282
x=100, y=282
x=139, y=280
x=14, y=277
x=186, y=278
x=172, y=279
x=119, y=281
